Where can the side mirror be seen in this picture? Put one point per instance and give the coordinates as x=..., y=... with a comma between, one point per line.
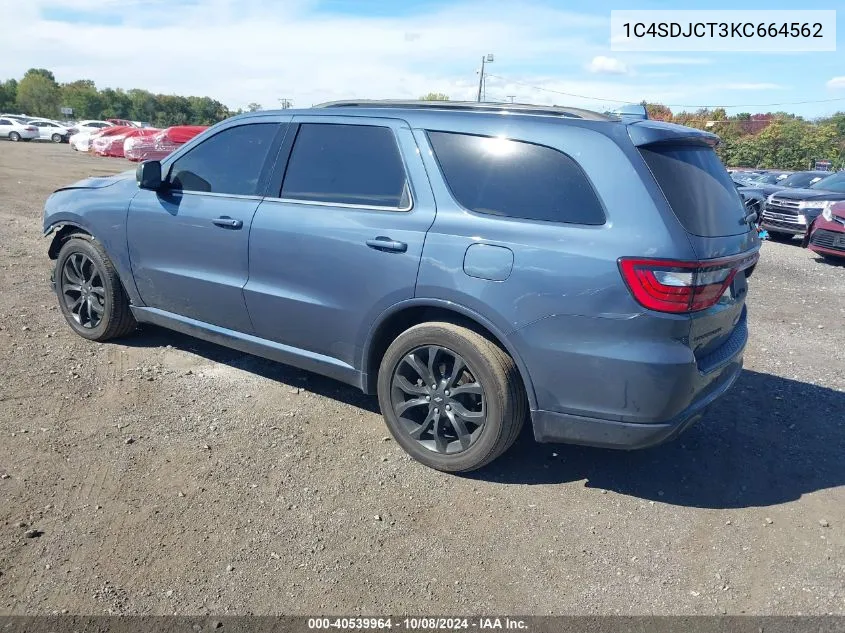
x=148, y=175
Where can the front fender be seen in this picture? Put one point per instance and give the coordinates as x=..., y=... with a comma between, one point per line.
x=100, y=213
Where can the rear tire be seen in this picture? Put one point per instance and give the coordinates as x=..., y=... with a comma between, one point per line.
x=90, y=294
x=14, y=137
x=474, y=414
x=56, y=138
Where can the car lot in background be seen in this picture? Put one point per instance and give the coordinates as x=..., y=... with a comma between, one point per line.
x=15, y=130
x=172, y=475
x=789, y=212
x=755, y=193
x=51, y=130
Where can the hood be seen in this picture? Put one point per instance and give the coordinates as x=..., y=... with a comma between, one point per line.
x=809, y=194
x=98, y=182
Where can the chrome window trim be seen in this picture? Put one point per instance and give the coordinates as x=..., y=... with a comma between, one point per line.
x=213, y=194
x=349, y=205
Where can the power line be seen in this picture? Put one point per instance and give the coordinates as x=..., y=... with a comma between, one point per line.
x=668, y=105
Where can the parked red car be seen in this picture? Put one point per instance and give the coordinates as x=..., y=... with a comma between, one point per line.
x=828, y=235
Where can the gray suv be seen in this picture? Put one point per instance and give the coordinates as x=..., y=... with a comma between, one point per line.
x=472, y=264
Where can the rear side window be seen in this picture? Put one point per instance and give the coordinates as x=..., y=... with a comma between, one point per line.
x=5, y=122
x=347, y=165
x=698, y=188
x=498, y=176
x=229, y=162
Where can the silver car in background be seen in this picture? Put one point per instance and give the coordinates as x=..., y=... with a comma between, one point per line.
x=51, y=130
x=15, y=130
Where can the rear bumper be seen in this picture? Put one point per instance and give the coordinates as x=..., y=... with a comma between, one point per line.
x=550, y=426
x=635, y=404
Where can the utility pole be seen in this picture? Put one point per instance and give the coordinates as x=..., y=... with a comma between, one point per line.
x=488, y=58
x=511, y=97
x=286, y=103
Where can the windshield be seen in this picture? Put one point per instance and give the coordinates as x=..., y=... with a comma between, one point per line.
x=802, y=180
x=836, y=182
x=770, y=179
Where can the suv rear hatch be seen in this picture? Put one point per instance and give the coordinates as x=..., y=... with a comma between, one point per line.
x=698, y=191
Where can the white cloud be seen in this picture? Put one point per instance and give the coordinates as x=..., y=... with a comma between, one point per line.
x=836, y=82
x=607, y=65
x=240, y=51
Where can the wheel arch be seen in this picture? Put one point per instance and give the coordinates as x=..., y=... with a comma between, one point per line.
x=61, y=233
x=64, y=230
x=404, y=315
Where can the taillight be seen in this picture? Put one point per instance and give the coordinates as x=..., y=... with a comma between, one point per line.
x=667, y=285
x=30, y=128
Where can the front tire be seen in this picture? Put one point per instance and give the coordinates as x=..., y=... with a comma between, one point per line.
x=14, y=137
x=451, y=398
x=56, y=138
x=90, y=294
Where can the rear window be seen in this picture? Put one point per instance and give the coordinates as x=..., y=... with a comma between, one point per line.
x=498, y=176
x=698, y=189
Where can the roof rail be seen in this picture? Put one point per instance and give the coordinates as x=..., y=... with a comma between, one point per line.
x=467, y=106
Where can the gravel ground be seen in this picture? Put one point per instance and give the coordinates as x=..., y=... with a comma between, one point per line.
x=161, y=475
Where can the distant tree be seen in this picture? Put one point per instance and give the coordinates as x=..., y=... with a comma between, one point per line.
x=143, y=105
x=38, y=95
x=253, y=107
x=47, y=74
x=658, y=111
x=435, y=96
x=83, y=98
x=8, y=95
x=206, y=111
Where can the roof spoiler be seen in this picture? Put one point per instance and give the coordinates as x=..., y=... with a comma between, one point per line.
x=652, y=132
x=631, y=112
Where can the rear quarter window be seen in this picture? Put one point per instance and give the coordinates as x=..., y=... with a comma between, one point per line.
x=499, y=176
x=698, y=188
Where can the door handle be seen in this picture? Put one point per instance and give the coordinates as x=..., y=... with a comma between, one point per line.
x=227, y=222
x=382, y=243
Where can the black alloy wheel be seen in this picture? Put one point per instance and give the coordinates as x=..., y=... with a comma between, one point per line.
x=438, y=400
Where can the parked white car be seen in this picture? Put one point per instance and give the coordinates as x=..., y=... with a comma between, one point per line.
x=14, y=130
x=81, y=133
x=51, y=130
x=90, y=126
x=20, y=118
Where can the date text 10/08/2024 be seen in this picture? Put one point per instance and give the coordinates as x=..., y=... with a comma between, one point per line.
x=418, y=624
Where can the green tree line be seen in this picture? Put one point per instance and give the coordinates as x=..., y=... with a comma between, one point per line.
x=772, y=140
x=39, y=94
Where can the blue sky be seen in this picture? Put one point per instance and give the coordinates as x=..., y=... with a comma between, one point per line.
x=242, y=51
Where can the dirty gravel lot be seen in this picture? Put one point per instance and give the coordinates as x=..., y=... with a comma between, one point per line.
x=167, y=475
